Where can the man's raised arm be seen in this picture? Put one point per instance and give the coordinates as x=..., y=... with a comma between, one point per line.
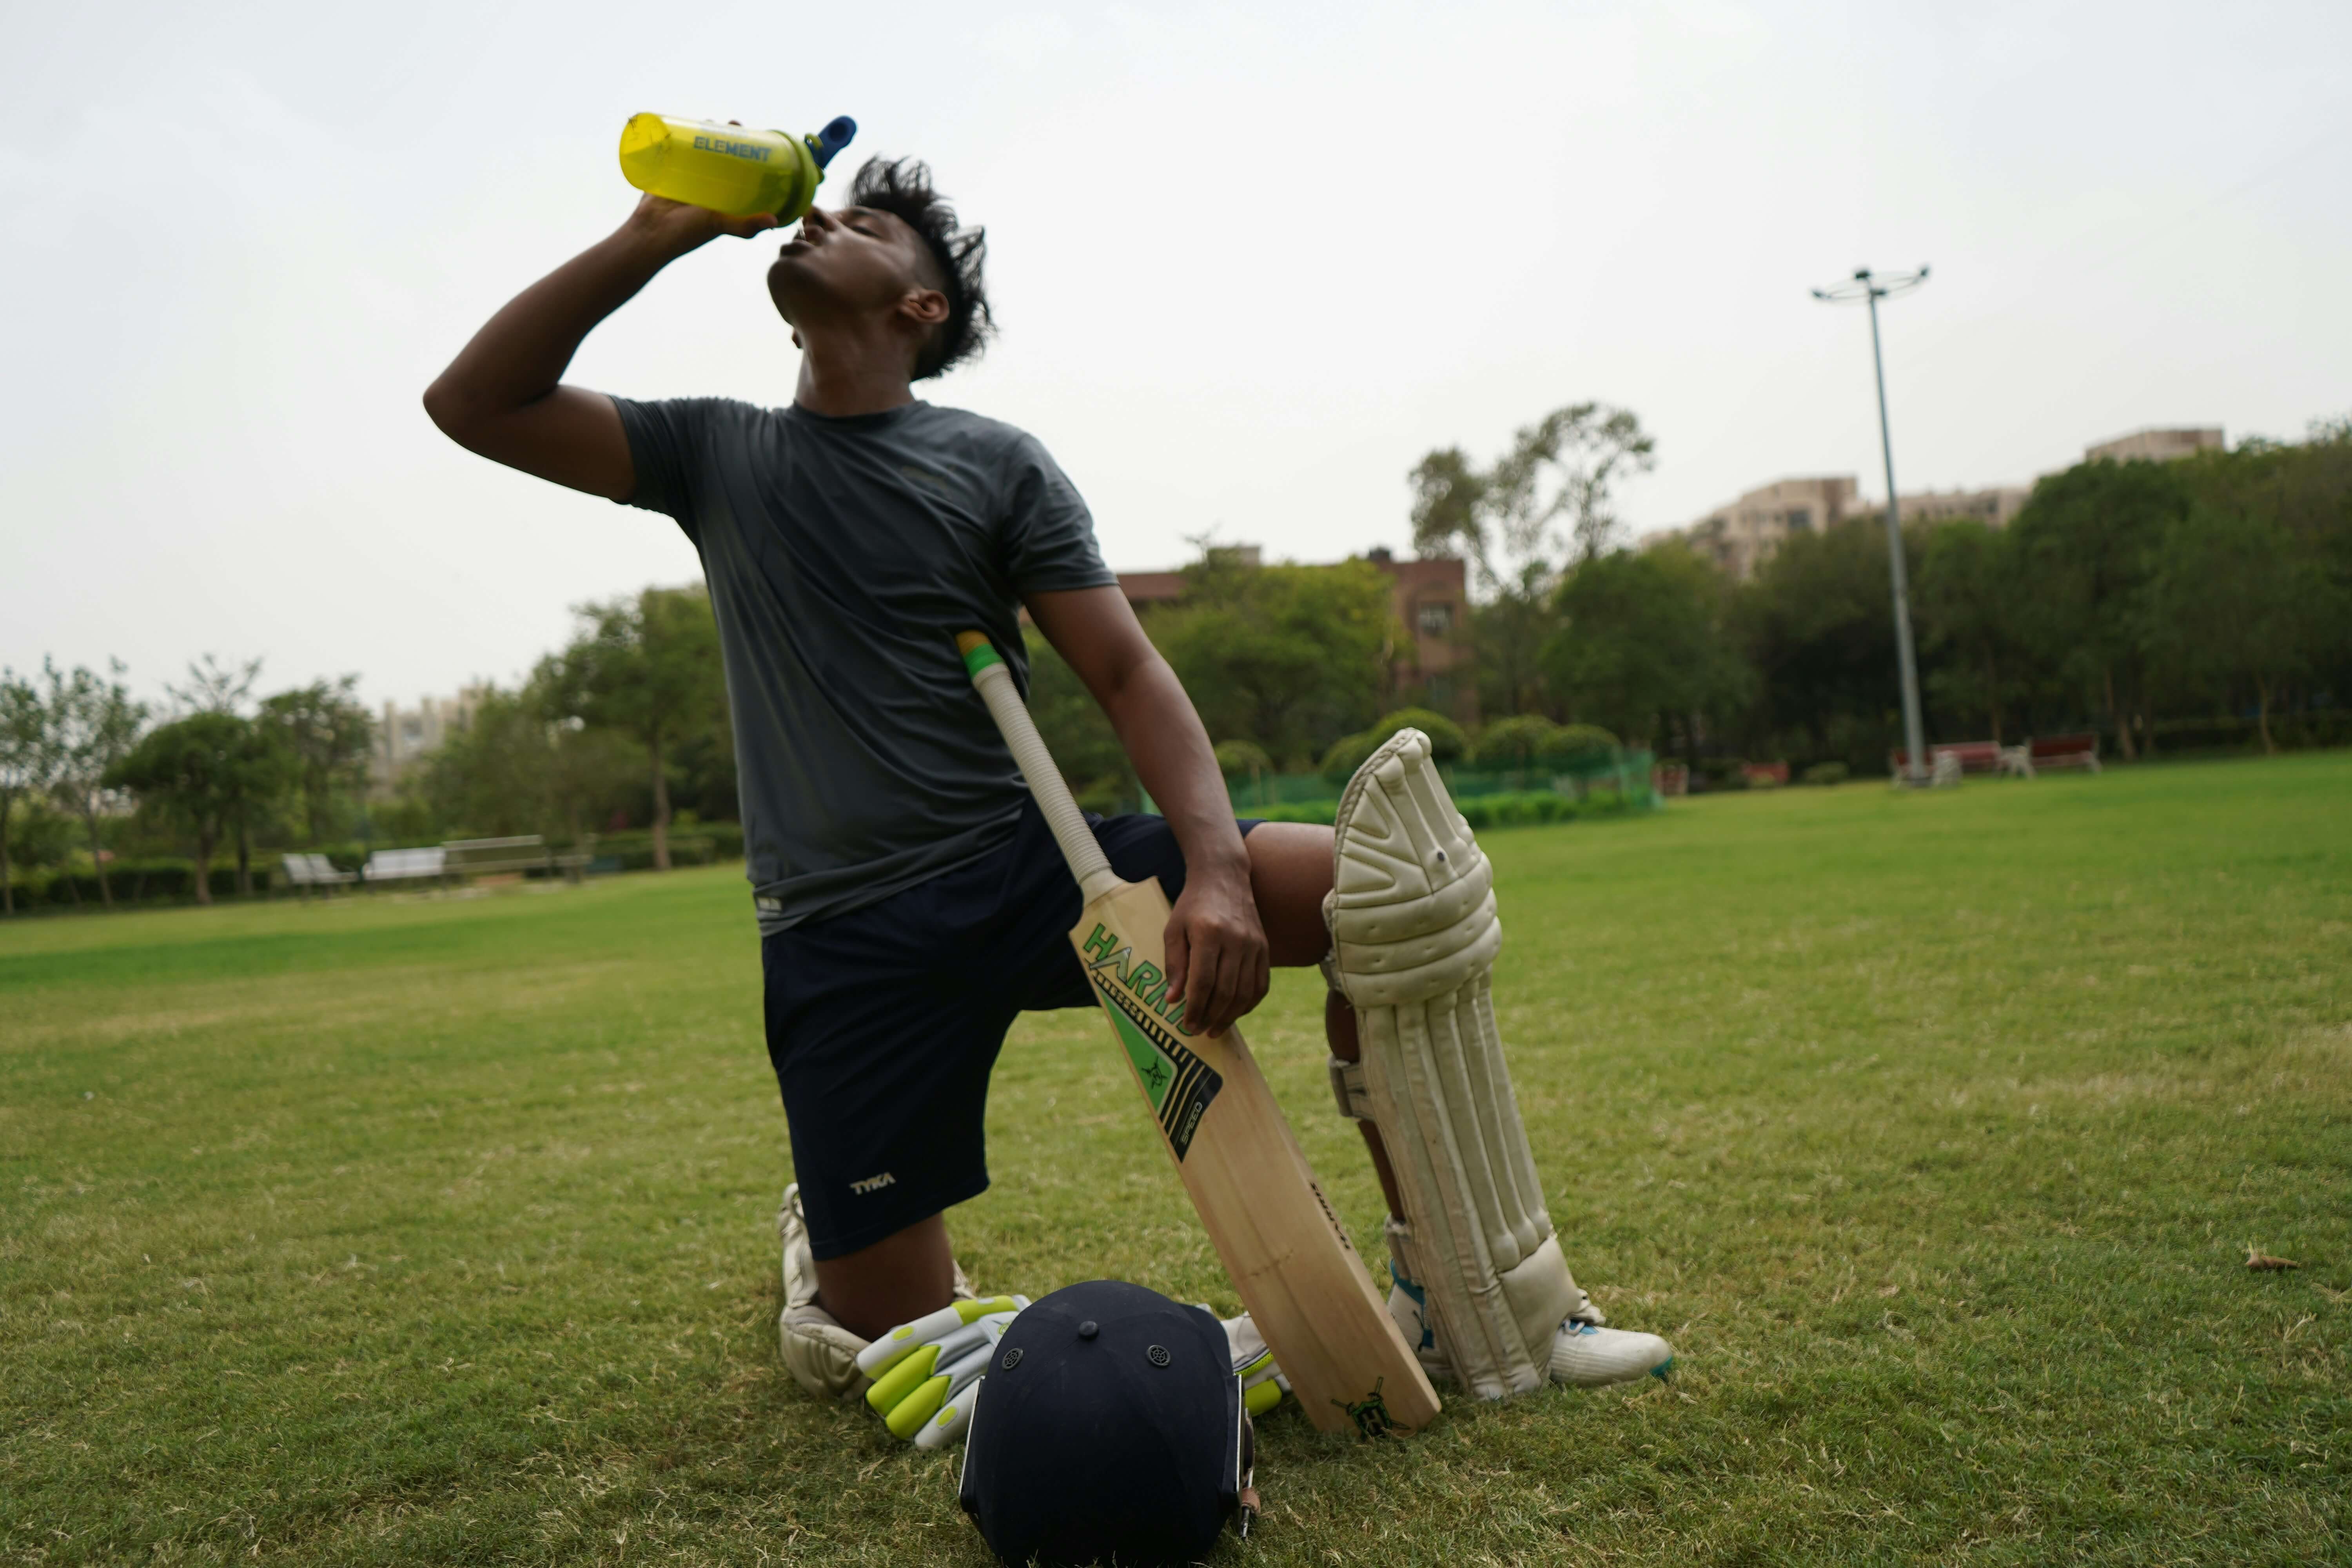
x=502, y=397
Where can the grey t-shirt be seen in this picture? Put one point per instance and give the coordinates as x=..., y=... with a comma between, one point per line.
x=843, y=557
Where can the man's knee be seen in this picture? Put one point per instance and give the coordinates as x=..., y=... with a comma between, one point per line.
x=1290, y=870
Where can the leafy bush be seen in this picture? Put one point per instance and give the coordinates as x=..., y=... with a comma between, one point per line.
x=1446, y=740
x=1108, y=796
x=1526, y=808
x=1826, y=773
x=1577, y=739
x=1722, y=772
x=1519, y=742
x=1515, y=741
x=1242, y=757
x=635, y=847
x=166, y=880
x=1347, y=754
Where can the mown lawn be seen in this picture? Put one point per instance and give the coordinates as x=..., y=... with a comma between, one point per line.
x=1932, y=1129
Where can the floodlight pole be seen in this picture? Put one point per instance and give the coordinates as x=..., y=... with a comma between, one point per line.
x=1871, y=291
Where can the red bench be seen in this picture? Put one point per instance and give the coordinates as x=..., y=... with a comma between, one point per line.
x=1949, y=758
x=2063, y=752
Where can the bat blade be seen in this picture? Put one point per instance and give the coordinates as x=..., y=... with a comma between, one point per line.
x=1301, y=1279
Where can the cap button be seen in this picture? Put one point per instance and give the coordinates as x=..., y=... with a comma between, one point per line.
x=1089, y=1330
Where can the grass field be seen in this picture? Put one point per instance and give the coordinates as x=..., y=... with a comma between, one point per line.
x=1932, y=1129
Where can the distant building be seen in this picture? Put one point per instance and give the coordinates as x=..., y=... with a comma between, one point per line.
x=1435, y=668
x=2157, y=444
x=1742, y=536
x=408, y=735
x=1432, y=667
x=1996, y=505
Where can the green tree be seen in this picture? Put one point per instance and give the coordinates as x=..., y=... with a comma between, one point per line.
x=328, y=734
x=514, y=770
x=40, y=834
x=202, y=772
x=1818, y=633
x=1970, y=604
x=1546, y=502
x=93, y=723
x=1288, y=657
x=1640, y=644
x=216, y=688
x=2235, y=600
x=2087, y=542
x=647, y=666
x=2306, y=489
x=263, y=770
x=28, y=762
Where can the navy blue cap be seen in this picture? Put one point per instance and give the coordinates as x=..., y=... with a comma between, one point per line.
x=1109, y=1427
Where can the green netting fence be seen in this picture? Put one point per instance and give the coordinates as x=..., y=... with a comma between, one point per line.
x=1591, y=783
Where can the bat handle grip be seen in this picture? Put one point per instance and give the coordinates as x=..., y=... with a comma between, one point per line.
x=1088, y=862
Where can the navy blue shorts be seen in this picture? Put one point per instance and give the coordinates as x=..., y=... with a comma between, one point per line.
x=883, y=1023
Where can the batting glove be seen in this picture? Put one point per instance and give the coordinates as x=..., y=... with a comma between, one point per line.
x=1263, y=1384
x=924, y=1371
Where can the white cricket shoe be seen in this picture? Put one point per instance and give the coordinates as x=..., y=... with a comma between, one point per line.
x=1585, y=1356
x=819, y=1353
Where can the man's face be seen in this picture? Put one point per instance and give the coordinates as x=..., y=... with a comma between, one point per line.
x=850, y=262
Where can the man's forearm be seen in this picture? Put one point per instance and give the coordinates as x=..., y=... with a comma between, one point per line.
x=520, y=353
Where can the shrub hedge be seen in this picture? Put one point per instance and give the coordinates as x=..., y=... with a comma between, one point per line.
x=1527, y=808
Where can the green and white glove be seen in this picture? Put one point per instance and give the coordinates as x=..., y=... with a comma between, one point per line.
x=924, y=1371
x=1263, y=1384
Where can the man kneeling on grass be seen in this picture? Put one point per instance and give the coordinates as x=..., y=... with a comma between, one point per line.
x=909, y=897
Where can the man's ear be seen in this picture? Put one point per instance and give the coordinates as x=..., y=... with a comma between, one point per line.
x=926, y=307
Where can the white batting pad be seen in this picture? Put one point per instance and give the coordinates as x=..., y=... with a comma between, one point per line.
x=1415, y=935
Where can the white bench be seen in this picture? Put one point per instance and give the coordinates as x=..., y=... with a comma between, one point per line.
x=406, y=865
x=304, y=872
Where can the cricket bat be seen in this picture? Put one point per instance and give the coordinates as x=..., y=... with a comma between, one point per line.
x=1300, y=1277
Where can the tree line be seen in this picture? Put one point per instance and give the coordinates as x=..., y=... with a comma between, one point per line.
x=215, y=767
x=614, y=728
x=2164, y=604
x=2199, y=604
x=2179, y=604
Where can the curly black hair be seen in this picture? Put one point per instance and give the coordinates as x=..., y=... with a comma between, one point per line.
x=902, y=187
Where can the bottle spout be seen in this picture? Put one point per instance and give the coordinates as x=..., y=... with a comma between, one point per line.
x=832, y=139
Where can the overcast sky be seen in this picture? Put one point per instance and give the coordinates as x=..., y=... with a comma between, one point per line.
x=1251, y=263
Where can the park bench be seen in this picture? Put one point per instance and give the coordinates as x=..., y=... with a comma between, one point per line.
x=515, y=855
x=1944, y=765
x=304, y=872
x=1764, y=776
x=406, y=865
x=1950, y=759
x=2063, y=752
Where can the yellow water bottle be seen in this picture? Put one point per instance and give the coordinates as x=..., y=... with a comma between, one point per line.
x=727, y=168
